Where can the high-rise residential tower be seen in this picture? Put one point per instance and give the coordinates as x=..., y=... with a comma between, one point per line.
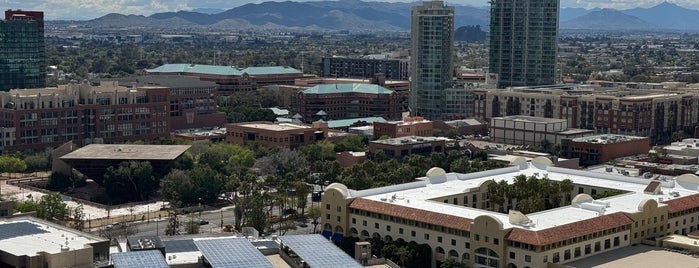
x=22, y=50
x=431, y=58
x=524, y=41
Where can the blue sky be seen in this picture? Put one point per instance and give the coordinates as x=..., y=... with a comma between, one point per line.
x=88, y=9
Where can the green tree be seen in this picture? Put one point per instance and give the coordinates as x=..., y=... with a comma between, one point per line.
x=37, y=162
x=51, y=207
x=453, y=263
x=11, y=164
x=131, y=181
x=78, y=218
x=353, y=143
x=314, y=213
x=58, y=181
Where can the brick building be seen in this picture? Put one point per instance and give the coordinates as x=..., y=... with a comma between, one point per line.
x=231, y=79
x=656, y=114
x=405, y=146
x=409, y=126
x=282, y=135
x=594, y=150
x=344, y=101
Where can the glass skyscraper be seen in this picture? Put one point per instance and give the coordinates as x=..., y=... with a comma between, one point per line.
x=22, y=50
x=431, y=58
x=524, y=41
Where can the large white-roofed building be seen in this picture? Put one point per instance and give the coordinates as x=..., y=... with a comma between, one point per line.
x=452, y=214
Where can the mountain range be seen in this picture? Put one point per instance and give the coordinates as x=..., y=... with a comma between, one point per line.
x=360, y=16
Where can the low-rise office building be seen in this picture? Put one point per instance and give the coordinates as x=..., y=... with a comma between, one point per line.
x=405, y=146
x=33, y=243
x=533, y=131
x=594, y=150
x=409, y=126
x=282, y=135
x=344, y=101
x=453, y=215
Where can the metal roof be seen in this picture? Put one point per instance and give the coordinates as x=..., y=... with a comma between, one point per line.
x=138, y=259
x=232, y=253
x=318, y=251
x=348, y=88
x=270, y=70
x=222, y=70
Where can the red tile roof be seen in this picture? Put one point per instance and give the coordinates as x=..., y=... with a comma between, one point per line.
x=682, y=203
x=409, y=213
x=568, y=231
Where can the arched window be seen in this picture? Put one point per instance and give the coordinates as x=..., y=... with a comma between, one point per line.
x=487, y=257
x=453, y=254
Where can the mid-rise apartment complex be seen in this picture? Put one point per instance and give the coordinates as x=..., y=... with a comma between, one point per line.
x=431, y=61
x=453, y=215
x=345, y=101
x=654, y=114
x=393, y=69
x=524, y=41
x=22, y=57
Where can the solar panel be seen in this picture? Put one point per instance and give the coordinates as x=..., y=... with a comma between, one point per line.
x=177, y=246
x=232, y=253
x=17, y=229
x=139, y=259
x=318, y=251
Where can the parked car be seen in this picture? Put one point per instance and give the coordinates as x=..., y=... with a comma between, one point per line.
x=203, y=222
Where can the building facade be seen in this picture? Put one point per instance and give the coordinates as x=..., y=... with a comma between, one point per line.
x=281, y=135
x=656, y=115
x=532, y=131
x=344, y=101
x=524, y=41
x=394, y=69
x=432, y=58
x=231, y=79
x=452, y=214
x=594, y=150
x=409, y=126
x=22, y=57
x=405, y=146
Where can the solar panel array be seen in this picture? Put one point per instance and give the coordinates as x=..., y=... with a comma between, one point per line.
x=17, y=229
x=139, y=259
x=178, y=246
x=232, y=253
x=318, y=251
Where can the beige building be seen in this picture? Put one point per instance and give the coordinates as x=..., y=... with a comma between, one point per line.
x=409, y=126
x=533, y=131
x=34, y=243
x=451, y=213
x=282, y=135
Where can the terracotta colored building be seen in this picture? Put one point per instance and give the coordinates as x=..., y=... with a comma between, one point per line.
x=344, y=101
x=594, y=150
x=405, y=146
x=409, y=126
x=283, y=135
x=231, y=79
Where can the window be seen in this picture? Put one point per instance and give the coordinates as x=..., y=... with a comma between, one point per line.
x=527, y=258
x=354, y=221
x=439, y=239
x=616, y=241
x=546, y=259
x=556, y=257
x=597, y=246
x=477, y=237
x=412, y=233
x=496, y=241
x=566, y=255
x=427, y=236
x=453, y=242
x=577, y=252
x=467, y=245
x=339, y=208
x=388, y=228
x=327, y=216
x=327, y=206
x=364, y=223
x=400, y=230
x=512, y=255
x=376, y=225
x=588, y=249
x=607, y=244
x=338, y=218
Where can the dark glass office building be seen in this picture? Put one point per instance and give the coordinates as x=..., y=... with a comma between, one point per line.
x=22, y=50
x=523, y=41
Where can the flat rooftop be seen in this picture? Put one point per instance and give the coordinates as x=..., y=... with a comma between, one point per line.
x=275, y=127
x=607, y=139
x=410, y=140
x=27, y=236
x=128, y=152
x=637, y=256
x=420, y=194
x=527, y=118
